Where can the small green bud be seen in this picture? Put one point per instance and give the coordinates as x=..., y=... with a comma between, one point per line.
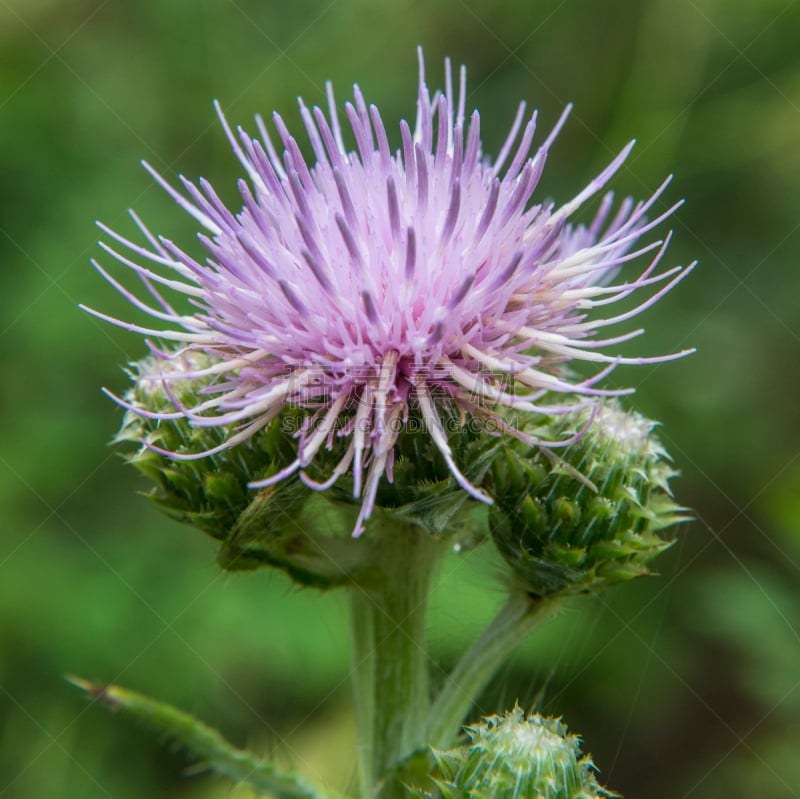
x=591, y=517
x=519, y=757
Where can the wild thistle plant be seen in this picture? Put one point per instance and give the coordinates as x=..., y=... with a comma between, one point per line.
x=373, y=343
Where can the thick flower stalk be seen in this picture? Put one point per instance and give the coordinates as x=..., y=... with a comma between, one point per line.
x=372, y=286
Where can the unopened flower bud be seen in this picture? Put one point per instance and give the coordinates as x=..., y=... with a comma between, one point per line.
x=515, y=756
x=590, y=516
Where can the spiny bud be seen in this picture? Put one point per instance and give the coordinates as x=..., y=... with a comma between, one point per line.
x=590, y=517
x=515, y=756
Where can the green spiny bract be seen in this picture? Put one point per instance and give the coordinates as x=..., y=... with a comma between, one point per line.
x=518, y=757
x=266, y=527
x=289, y=525
x=422, y=490
x=591, y=516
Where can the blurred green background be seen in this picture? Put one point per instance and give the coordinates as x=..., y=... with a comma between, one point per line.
x=687, y=685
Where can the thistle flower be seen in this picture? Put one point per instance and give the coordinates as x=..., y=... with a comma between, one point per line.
x=375, y=285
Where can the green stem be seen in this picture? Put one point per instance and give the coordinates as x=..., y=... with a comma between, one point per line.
x=390, y=659
x=517, y=619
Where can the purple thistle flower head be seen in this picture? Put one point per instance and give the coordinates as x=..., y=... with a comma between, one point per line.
x=375, y=283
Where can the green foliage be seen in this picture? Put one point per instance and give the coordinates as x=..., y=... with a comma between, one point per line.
x=203, y=743
x=590, y=517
